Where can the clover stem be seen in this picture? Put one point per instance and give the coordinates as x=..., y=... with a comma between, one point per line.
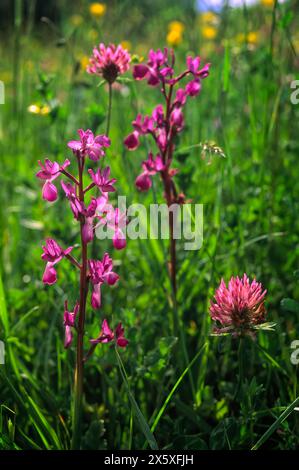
x=109, y=110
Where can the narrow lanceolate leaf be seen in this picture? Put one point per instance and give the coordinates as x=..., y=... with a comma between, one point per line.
x=276, y=424
x=140, y=418
x=45, y=431
x=159, y=415
x=3, y=309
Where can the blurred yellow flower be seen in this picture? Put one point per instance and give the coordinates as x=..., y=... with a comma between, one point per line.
x=253, y=37
x=84, y=61
x=44, y=110
x=126, y=45
x=176, y=26
x=76, y=20
x=34, y=109
x=93, y=35
x=267, y=3
x=209, y=18
x=174, y=38
x=97, y=9
x=209, y=32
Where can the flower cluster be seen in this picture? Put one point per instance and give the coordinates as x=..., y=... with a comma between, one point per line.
x=107, y=335
x=109, y=62
x=239, y=307
x=96, y=212
x=165, y=123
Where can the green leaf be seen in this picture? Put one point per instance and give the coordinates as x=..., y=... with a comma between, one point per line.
x=140, y=418
x=162, y=409
x=276, y=424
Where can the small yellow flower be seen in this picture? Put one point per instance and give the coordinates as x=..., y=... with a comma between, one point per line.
x=253, y=37
x=44, y=110
x=84, y=61
x=97, y=9
x=209, y=32
x=176, y=26
x=34, y=109
x=208, y=17
x=76, y=20
x=267, y=3
x=174, y=38
x=126, y=45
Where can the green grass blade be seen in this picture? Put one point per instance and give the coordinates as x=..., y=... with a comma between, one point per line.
x=276, y=424
x=141, y=420
x=3, y=309
x=162, y=409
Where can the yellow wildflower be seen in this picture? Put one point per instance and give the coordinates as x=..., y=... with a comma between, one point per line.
x=84, y=61
x=209, y=18
x=267, y=3
x=209, y=32
x=253, y=37
x=174, y=38
x=97, y=9
x=44, y=110
x=176, y=26
x=126, y=45
x=34, y=109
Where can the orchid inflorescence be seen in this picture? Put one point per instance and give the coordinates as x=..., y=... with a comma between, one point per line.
x=98, y=211
x=164, y=125
x=166, y=122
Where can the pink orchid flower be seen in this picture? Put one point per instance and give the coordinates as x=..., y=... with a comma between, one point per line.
x=52, y=253
x=69, y=319
x=48, y=173
x=102, y=181
x=107, y=335
x=89, y=145
x=101, y=272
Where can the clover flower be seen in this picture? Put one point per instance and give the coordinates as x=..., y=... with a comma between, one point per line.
x=109, y=62
x=239, y=307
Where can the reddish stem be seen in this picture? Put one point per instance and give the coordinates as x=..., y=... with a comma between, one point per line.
x=70, y=176
x=79, y=371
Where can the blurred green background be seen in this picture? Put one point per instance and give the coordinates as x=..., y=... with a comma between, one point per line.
x=251, y=225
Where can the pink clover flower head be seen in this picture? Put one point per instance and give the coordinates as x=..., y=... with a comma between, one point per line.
x=52, y=253
x=107, y=335
x=48, y=173
x=109, y=61
x=239, y=307
x=69, y=319
x=89, y=145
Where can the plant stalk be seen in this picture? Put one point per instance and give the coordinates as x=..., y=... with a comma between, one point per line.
x=79, y=370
